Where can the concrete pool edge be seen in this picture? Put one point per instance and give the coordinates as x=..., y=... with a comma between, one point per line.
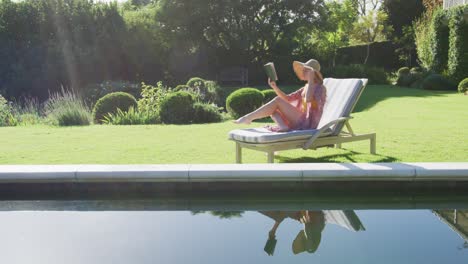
x=243, y=173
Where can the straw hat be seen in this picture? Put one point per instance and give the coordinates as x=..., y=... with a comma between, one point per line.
x=299, y=66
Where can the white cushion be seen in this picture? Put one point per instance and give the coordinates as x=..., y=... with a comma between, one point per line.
x=263, y=135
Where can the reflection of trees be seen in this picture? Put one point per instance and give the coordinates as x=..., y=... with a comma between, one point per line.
x=221, y=214
x=457, y=220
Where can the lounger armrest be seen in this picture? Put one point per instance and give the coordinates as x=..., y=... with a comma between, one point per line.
x=323, y=130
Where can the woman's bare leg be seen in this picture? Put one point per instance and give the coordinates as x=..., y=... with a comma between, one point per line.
x=279, y=120
x=289, y=112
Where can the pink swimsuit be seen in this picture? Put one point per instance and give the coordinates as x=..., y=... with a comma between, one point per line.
x=310, y=118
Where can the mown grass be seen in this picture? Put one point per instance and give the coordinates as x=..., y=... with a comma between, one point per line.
x=412, y=126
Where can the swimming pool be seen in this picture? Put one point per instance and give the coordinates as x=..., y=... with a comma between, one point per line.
x=311, y=229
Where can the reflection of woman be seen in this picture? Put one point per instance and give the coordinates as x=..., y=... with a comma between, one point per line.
x=299, y=110
x=307, y=239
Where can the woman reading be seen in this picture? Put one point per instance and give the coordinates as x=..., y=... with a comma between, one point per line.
x=299, y=110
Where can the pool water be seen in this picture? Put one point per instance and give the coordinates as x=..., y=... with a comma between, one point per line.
x=319, y=236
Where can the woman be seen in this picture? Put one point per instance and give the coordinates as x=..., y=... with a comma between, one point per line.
x=296, y=111
x=307, y=239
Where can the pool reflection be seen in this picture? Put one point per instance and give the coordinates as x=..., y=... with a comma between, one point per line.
x=313, y=222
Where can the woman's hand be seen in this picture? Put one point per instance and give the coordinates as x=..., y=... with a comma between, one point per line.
x=272, y=84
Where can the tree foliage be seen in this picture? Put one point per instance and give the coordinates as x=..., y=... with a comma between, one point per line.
x=370, y=28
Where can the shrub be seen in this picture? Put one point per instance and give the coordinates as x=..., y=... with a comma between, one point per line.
x=6, y=115
x=29, y=112
x=177, y=108
x=243, y=101
x=463, y=86
x=181, y=87
x=65, y=108
x=375, y=75
x=207, y=91
x=437, y=82
x=97, y=90
x=130, y=117
x=268, y=95
x=214, y=93
x=206, y=113
x=151, y=97
x=110, y=103
x=416, y=70
x=403, y=71
x=412, y=79
x=196, y=82
x=458, y=43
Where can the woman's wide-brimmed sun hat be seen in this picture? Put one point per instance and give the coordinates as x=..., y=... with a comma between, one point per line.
x=299, y=66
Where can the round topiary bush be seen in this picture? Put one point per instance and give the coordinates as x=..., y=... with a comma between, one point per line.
x=206, y=113
x=177, y=108
x=437, y=82
x=243, y=101
x=196, y=82
x=268, y=95
x=109, y=103
x=463, y=86
x=403, y=71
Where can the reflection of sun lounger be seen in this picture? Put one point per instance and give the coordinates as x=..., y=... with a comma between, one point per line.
x=342, y=95
x=457, y=220
x=347, y=219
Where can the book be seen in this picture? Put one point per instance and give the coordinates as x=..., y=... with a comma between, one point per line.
x=270, y=71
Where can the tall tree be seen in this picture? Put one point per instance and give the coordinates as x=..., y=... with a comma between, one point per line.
x=341, y=16
x=370, y=28
x=243, y=31
x=402, y=13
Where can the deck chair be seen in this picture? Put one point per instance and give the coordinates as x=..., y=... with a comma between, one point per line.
x=342, y=95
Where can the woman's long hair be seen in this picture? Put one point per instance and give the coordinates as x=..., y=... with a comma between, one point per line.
x=319, y=77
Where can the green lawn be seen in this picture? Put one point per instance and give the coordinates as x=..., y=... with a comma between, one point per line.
x=411, y=125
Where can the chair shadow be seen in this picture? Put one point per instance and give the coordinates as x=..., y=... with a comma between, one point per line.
x=332, y=158
x=377, y=93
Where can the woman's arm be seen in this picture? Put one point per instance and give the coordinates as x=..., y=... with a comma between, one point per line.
x=310, y=86
x=278, y=92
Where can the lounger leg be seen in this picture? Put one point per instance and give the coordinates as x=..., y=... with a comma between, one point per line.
x=338, y=145
x=271, y=157
x=373, y=144
x=238, y=153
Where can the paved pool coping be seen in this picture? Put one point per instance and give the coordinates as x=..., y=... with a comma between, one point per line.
x=244, y=173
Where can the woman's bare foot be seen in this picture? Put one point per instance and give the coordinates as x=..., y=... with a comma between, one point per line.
x=243, y=120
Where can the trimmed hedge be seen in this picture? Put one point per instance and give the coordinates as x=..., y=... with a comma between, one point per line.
x=244, y=101
x=268, y=95
x=442, y=42
x=463, y=86
x=458, y=49
x=437, y=82
x=382, y=54
x=206, y=113
x=375, y=75
x=439, y=41
x=109, y=103
x=177, y=108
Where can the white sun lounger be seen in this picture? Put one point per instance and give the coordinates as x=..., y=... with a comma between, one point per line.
x=342, y=95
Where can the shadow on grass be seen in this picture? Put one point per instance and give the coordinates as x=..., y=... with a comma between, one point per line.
x=350, y=157
x=375, y=93
x=371, y=96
